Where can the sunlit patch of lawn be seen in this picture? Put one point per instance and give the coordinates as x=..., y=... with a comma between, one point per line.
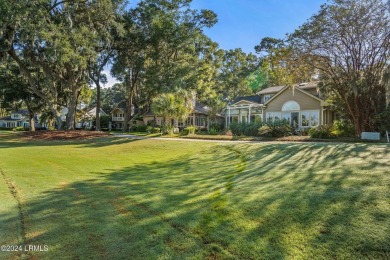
x=114, y=198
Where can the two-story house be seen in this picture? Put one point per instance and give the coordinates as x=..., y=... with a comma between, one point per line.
x=118, y=118
x=301, y=105
x=16, y=119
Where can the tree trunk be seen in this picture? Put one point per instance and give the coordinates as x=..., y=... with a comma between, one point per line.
x=32, y=123
x=97, y=106
x=31, y=118
x=57, y=115
x=71, y=117
x=128, y=111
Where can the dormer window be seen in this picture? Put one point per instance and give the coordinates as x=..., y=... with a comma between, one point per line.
x=16, y=116
x=267, y=97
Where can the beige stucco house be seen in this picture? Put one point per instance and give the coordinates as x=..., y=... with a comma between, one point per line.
x=302, y=105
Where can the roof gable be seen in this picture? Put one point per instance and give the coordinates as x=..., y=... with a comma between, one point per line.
x=323, y=103
x=243, y=103
x=118, y=109
x=255, y=99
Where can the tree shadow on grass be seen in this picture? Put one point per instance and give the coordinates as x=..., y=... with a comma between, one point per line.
x=233, y=201
x=15, y=142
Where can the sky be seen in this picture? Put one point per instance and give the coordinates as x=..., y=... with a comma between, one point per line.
x=243, y=23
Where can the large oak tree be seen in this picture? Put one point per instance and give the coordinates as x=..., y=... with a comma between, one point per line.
x=58, y=37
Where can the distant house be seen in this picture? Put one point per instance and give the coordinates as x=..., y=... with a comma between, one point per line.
x=92, y=112
x=301, y=105
x=87, y=118
x=18, y=118
x=118, y=118
x=199, y=117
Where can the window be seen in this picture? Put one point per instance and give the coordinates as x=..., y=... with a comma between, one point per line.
x=286, y=116
x=234, y=119
x=243, y=119
x=310, y=118
x=199, y=121
x=269, y=117
x=305, y=118
x=290, y=106
x=273, y=116
x=16, y=116
x=314, y=118
x=277, y=116
x=267, y=97
x=255, y=118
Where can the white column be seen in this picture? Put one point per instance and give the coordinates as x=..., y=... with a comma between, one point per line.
x=322, y=115
x=229, y=118
x=249, y=114
x=226, y=118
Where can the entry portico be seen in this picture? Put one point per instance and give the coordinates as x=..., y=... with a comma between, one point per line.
x=244, y=110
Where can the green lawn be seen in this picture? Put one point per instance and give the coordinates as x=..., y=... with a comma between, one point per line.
x=114, y=198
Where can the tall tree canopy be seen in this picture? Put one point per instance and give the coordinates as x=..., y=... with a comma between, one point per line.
x=58, y=37
x=349, y=43
x=235, y=68
x=281, y=65
x=161, y=49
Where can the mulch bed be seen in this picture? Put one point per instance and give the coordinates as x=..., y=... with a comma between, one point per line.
x=62, y=135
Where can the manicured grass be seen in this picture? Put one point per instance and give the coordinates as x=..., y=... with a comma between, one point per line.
x=146, y=134
x=114, y=198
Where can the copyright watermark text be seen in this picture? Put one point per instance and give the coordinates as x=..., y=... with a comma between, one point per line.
x=24, y=248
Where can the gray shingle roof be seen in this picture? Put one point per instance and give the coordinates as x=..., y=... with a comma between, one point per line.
x=201, y=108
x=307, y=85
x=254, y=99
x=271, y=90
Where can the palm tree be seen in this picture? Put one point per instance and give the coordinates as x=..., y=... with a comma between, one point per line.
x=170, y=106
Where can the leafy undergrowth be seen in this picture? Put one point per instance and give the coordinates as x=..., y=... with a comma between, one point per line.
x=114, y=198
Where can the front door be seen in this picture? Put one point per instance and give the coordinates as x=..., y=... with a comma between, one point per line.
x=295, y=120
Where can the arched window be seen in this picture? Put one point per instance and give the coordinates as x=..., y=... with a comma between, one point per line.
x=290, y=106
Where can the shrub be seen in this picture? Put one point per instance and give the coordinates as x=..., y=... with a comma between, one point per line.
x=190, y=130
x=141, y=128
x=19, y=128
x=104, y=121
x=213, y=131
x=229, y=132
x=168, y=129
x=343, y=128
x=278, y=128
x=153, y=130
x=382, y=120
x=247, y=129
x=217, y=126
x=322, y=131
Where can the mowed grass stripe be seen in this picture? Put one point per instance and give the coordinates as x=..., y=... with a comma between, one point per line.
x=159, y=199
